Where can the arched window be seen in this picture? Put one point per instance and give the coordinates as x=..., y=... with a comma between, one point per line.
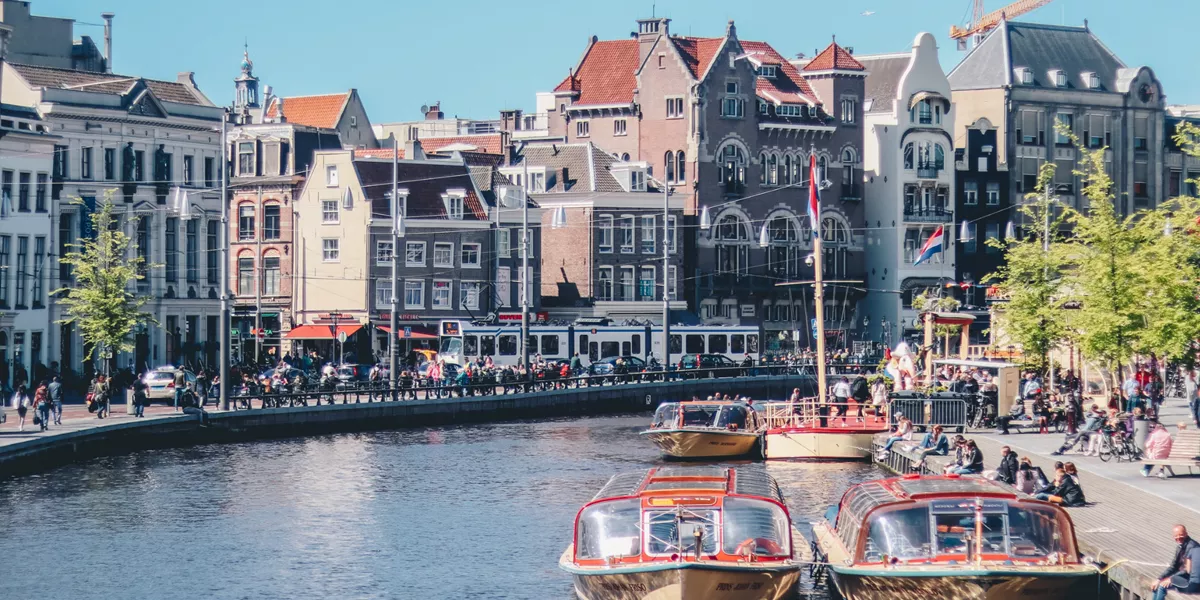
x=786, y=177
x=680, y=169
x=733, y=168
x=849, y=187
x=784, y=253
x=669, y=165
x=833, y=232
x=798, y=166
x=762, y=174
x=772, y=170
x=625, y=157
x=822, y=169
x=733, y=253
x=834, y=252
x=939, y=157
x=732, y=228
x=922, y=113
x=908, y=156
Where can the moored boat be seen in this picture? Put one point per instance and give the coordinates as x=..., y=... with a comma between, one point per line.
x=949, y=537
x=807, y=429
x=705, y=429
x=674, y=533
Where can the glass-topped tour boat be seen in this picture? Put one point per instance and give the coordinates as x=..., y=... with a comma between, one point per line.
x=705, y=429
x=695, y=533
x=949, y=537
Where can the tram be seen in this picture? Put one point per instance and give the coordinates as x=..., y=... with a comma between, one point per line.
x=464, y=341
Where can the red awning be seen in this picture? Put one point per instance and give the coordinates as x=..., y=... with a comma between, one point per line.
x=417, y=333
x=321, y=332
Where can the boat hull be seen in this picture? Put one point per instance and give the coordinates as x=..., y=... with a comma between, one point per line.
x=687, y=581
x=690, y=443
x=817, y=443
x=1055, y=583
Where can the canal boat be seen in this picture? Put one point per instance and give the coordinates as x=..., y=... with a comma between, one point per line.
x=950, y=537
x=705, y=429
x=697, y=533
x=805, y=429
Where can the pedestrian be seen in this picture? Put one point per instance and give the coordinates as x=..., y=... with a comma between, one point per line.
x=1183, y=573
x=20, y=401
x=41, y=403
x=1007, y=471
x=861, y=392
x=1158, y=447
x=101, y=397
x=935, y=442
x=202, y=387
x=140, y=398
x=56, y=398
x=841, y=397
x=180, y=387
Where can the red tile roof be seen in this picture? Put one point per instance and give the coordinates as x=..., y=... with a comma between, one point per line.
x=788, y=85
x=698, y=53
x=314, y=111
x=606, y=74
x=488, y=143
x=834, y=57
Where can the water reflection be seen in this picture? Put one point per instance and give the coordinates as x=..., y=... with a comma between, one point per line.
x=456, y=512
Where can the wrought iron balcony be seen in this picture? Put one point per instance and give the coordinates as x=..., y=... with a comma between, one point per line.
x=924, y=214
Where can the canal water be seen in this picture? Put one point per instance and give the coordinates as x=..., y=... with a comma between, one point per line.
x=480, y=511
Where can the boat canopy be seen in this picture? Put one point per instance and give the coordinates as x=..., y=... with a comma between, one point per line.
x=727, y=415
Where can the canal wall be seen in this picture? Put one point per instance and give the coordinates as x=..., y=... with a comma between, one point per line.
x=36, y=453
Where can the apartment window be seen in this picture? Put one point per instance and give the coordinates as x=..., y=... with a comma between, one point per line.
x=671, y=233
x=5, y=256
x=1063, y=120
x=383, y=293
x=1029, y=131
x=618, y=126
x=673, y=281
x=454, y=207
x=470, y=256
x=924, y=112
x=649, y=230
x=143, y=244
x=970, y=193
x=992, y=232
x=23, y=181
x=441, y=295
x=1026, y=76
x=469, y=292
x=209, y=170
x=625, y=289
x=981, y=164
x=1060, y=78
x=212, y=261
x=85, y=163
x=993, y=194
x=767, y=71
x=674, y=108
x=139, y=165
x=246, y=159
x=172, y=240
x=908, y=156
x=1140, y=126
x=246, y=276
x=733, y=108
x=39, y=260
x=414, y=254
x=680, y=167
x=669, y=165
x=61, y=160
x=1029, y=174
x=245, y=222
x=646, y=284
x=637, y=181
x=6, y=188
x=414, y=293
x=626, y=234
x=1095, y=130
x=110, y=164
x=271, y=222
x=849, y=107
x=1174, y=185
x=969, y=244
x=192, y=257
x=503, y=242
x=1140, y=173
x=189, y=169
x=331, y=176
x=443, y=254
x=606, y=234
x=331, y=249
x=1093, y=80
x=22, y=269
x=329, y=211
x=772, y=169
x=271, y=276
x=383, y=252
x=604, y=283
x=582, y=128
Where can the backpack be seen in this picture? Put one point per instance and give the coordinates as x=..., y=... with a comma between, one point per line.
x=858, y=389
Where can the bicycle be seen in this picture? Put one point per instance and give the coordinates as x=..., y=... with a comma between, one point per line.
x=1119, y=445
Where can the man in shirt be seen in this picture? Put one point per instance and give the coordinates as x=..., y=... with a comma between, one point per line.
x=1183, y=573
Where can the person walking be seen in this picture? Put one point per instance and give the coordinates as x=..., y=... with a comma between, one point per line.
x=1183, y=573
x=180, y=387
x=841, y=397
x=20, y=401
x=41, y=404
x=1158, y=447
x=140, y=399
x=861, y=392
x=55, y=389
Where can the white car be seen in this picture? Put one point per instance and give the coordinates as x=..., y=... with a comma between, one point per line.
x=160, y=383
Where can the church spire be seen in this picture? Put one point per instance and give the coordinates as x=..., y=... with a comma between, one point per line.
x=246, y=84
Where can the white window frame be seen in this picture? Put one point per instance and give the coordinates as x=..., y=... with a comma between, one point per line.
x=675, y=107
x=970, y=193
x=473, y=246
x=993, y=194
x=649, y=234
x=464, y=287
x=419, y=286
x=619, y=127
x=331, y=176
x=384, y=251
x=787, y=110
x=672, y=232
x=611, y=284
x=408, y=246
x=331, y=252
x=583, y=128
x=981, y=164
x=448, y=248
x=504, y=242
x=503, y=287
x=628, y=224
x=849, y=107
x=673, y=281
x=768, y=71
x=455, y=206
x=605, y=226
x=383, y=293
x=637, y=291
x=632, y=295
x=449, y=291
x=326, y=213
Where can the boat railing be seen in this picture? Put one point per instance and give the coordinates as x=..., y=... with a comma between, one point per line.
x=811, y=413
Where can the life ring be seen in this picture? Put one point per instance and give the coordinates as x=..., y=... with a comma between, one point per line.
x=748, y=546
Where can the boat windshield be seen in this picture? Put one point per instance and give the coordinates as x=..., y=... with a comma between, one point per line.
x=608, y=529
x=665, y=415
x=733, y=416
x=947, y=528
x=754, y=527
x=699, y=416
x=674, y=531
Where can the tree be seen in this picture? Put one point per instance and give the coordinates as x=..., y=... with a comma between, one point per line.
x=1032, y=277
x=102, y=303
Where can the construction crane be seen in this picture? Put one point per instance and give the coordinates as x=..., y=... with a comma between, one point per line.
x=981, y=23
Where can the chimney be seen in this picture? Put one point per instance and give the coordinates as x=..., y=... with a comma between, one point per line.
x=412, y=150
x=648, y=32
x=187, y=78
x=108, y=17
x=434, y=113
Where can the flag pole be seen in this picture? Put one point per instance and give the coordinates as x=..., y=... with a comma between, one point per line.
x=818, y=279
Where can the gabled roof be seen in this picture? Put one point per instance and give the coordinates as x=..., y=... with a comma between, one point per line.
x=606, y=73
x=485, y=143
x=587, y=167
x=426, y=181
x=788, y=86
x=883, y=79
x=698, y=53
x=834, y=58
x=107, y=83
x=322, y=111
x=1041, y=49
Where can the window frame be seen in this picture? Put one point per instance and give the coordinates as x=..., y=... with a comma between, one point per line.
x=276, y=279
x=408, y=247
x=583, y=128
x=448, y=248
x=383, y=258
x=417, y=285
x=434, y=291
x=475, y=247
x=331, y=253
x=329, y=217
x=648, y=242
x=628, y=231
x=604, y=226
x=620, y=128
x=383, y=293
x=331, y=176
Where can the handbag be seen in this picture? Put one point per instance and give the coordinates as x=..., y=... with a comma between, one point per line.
x=37, y=420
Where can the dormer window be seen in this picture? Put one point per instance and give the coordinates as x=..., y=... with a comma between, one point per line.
x=637, y=181
x=1025, y=74
x=1093, y=80
x=454, y=200
x=768, y=71
x=762, y=107
x=1060, y=77
x=789, y=110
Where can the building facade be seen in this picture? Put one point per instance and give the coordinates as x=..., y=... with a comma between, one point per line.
x=910, y=186
x=984, y=202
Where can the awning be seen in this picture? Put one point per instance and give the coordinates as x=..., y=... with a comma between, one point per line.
x=420, y=333
x=321, y=332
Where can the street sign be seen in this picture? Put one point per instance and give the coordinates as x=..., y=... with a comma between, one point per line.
x=342, y=337
x=234, y=333
x=407, y=332
x=814, y=327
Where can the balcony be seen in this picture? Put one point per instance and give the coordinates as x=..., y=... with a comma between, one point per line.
x=927, y=172
x=927, y=214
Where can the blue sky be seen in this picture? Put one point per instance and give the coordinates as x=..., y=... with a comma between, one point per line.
x=478, y=56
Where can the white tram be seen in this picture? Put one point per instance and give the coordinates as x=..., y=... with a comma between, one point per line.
x=463, y=341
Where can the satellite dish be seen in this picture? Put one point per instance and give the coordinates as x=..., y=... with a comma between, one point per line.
x=424, y=108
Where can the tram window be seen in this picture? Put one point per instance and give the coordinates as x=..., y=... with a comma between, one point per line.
x=625, y=349
x=488, y=345
x=508, y=345
x=737, y=343
x=637, y=345
x=531, y=343
x=608, y=349
x=752, y=344
x=717, y=343
x=676, y=344
x=471, y=345
x=695, y=344
x=593, y=351
x=550, y=345
x=583, y=344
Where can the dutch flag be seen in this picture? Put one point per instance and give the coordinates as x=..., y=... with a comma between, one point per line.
x=814, y=196
x=932, y=246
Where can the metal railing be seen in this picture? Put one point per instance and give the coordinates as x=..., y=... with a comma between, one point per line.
x=944, y=408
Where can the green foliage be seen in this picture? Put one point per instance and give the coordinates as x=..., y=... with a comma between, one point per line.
x=102, y=303
x=924, y=302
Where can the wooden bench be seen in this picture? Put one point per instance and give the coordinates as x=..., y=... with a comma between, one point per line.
x=1185, y=450
x=1028, y=421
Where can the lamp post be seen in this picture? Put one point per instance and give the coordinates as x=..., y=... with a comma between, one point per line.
x=335, y=316
x=508, y=194
x=397, y=208
x=224, y=268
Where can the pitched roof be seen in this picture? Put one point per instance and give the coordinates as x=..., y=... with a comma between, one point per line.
x=698, y=53
x=606, y=73
x=485, y=143
x=107, y=83
x=834, y=57
x=571, y=167
x=315, y=111
x=883, y=79
x=788, y=86
x=1041, y=49
x=426, y=181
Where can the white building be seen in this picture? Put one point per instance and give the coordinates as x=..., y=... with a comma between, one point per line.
x=909, y=166
x=134, y=140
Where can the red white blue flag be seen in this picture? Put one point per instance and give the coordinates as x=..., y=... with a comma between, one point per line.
x=814, y=196
x=932, y=246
